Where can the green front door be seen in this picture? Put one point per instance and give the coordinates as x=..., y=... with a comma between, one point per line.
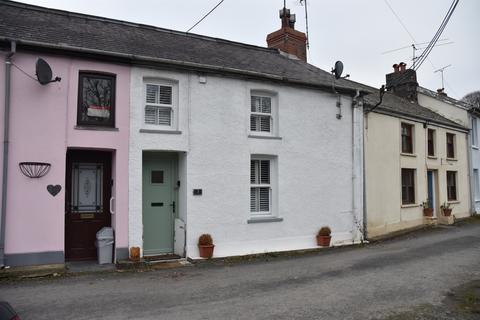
x=158, y=203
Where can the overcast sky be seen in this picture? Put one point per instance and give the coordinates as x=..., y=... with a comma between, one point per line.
x=358, y=32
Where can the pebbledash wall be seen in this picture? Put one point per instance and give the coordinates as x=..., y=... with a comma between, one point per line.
x=317, y=175
x=42, y=127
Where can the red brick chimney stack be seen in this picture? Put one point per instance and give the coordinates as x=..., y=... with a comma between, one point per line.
x=287, y=39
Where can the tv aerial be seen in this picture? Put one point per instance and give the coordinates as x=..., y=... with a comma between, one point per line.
x=441, y=70
x=44, y=72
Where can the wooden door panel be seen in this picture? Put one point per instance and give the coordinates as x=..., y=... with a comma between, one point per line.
x=86, y=213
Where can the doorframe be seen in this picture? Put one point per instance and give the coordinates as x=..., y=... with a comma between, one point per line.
x=87, y=155
x=435, y=190
x=174, y=156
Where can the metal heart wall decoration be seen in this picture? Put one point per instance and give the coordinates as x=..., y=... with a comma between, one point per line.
x=54, y=189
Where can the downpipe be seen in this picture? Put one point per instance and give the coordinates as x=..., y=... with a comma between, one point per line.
x=8, y=70
x=357, y=165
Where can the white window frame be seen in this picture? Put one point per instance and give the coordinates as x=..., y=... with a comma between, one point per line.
x=272, y=115
x=173, y=106
x=474, y=132
x=271, y=186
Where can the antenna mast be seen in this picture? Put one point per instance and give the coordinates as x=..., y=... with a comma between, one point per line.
x=441, y=71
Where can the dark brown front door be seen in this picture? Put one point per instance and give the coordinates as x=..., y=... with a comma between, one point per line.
x=87, y=201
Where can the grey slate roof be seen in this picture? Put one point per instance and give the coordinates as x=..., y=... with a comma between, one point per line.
x=55, y=27
x=62, y=30
x=394, y=105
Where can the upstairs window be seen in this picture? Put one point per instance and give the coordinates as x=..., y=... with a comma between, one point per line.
x=450, y=145
x=260, y=187
x=451, y=185
x=407, y=138
x=96, y=100
x=261, y=119
x=431, y=142
x=159, y=107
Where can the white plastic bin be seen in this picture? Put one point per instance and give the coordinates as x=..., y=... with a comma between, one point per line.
x=104, y=245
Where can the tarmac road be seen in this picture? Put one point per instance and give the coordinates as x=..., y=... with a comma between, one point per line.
x=410, y=277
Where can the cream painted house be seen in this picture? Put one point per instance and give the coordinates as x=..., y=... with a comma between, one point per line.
x=465, y=115
x=412, y=156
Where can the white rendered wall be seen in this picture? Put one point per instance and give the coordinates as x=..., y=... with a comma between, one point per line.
x=314, y=157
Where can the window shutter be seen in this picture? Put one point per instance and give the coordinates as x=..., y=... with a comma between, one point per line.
x=253, y=123
x=150, y=115
x=152, y=93
x=264, y=124
x=253, y=200
x=264, y=201
x=264, y=172
x=164, y=116
x=159, y=108
x=165, y=95
x=266, y=105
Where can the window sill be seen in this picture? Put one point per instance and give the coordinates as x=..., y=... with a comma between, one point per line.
x=411, y=205
x=453, y=202
x=95, y=128
x=475, y=147
x=451, y=159
x=264, y=137
x=264, y=220
x=160, y=131
x=408, y=154
x=432, y=157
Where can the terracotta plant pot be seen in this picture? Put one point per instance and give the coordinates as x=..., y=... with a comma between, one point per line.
x=206, y=251
x=135, y=253
x=447, y=212
x=428, y=212
x=323, y=241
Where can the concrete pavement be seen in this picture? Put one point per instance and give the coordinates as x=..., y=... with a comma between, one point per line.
x=385, y=280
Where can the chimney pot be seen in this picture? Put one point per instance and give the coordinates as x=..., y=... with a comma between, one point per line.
x=287, y=39
x=402, y=82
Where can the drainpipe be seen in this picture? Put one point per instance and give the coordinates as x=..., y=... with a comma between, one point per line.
x=8, y=68
x=469, y=141
x=357, y=163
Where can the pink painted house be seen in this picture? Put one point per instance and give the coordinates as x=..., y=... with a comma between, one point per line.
x=80, y=126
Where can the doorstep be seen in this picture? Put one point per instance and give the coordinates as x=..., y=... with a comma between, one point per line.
x=147, y=264
x=446, y=220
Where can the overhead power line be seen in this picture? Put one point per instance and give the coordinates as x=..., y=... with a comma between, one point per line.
x=198, y=22
x=437, y=35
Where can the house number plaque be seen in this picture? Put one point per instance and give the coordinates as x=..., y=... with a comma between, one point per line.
x=87, y=216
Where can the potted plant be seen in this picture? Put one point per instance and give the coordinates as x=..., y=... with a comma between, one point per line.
x=323, y=237
x=427, y=211
x=446, y=209
x=205, y=246
x=135, y=254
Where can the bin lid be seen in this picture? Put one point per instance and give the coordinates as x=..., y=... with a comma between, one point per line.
x=106, y=233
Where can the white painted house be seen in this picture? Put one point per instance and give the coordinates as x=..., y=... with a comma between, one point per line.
x=246, y=143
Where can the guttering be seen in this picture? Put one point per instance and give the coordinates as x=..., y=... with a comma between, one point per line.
x=8, y=68
x=140, y=59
